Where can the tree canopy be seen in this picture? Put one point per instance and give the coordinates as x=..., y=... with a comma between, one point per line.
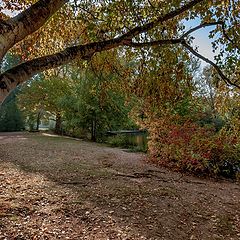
x=50, y=33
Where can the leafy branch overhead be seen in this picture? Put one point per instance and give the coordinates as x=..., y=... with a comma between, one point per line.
x=182, y=40
x=85, y=28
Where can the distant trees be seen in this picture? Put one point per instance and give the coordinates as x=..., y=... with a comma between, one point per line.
x=84, y=100
x=95, y=108
x=48, y=91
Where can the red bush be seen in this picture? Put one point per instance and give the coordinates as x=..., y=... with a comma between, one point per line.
x=186, y=146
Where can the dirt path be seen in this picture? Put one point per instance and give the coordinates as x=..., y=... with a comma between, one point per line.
x=58, y=188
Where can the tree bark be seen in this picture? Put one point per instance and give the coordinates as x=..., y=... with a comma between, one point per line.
x=38, y=120
x=27, y=22
x=58, y=126
x=94, y=128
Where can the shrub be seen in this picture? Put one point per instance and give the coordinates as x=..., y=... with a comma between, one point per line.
x=188, y=147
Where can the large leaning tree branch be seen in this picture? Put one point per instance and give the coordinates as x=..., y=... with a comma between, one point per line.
x=19, y=74
x=25, y=23
x=17, y=28
x=28, y=69
x=203, y=25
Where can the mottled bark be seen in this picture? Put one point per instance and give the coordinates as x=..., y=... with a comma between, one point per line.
x=17, y=28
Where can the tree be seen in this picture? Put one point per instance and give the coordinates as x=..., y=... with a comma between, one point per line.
x=95, y=104
x=42, y=96
x=87, y=99
x=107, y=25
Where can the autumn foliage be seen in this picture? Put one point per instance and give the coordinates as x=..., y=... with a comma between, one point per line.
x=180, y=135
x=189, y=147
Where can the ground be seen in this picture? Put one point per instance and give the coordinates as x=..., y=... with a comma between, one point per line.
x=60, y=188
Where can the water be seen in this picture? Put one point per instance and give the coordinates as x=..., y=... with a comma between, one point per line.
x=136, y=141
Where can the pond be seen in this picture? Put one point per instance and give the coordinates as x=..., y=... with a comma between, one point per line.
x=132, y=139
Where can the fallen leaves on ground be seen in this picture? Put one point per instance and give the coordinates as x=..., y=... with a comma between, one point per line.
x=57, y=188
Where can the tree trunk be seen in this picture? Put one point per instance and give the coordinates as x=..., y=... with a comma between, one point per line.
x=58, y=125
x=94, y=128
x=38, y=120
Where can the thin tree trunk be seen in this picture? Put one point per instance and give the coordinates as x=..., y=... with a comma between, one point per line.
x=94, y=128
x=38, y=120
x=58, y=125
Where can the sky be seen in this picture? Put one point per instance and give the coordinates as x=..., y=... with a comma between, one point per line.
x=202, y=40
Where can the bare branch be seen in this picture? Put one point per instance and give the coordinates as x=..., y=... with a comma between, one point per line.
x=203, y=25
x=183, y=42
x=217, y=68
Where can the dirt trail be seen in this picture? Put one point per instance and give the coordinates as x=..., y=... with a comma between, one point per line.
x=59, y=188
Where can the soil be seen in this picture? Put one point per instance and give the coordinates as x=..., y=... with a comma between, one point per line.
x=60, y=188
